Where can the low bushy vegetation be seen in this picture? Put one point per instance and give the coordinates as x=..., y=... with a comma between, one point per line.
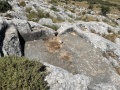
x=103, y=3
x=52, y=27
x=18, y=73
x=88, y=18
x=105, y=10
x=53, y=1
x=4, y=6
x=36, y=16
x=54, y=9
x=110, y=37
x=23, y=4
x=110, y=22
x=56, y=1
x=90, y=7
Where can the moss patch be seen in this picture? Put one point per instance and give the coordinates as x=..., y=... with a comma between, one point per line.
x=5, y=6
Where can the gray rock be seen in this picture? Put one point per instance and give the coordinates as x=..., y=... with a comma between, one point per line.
x=117, y=41
x=76, y=51
x=60, y=79
x=11, y=43
x=22, y=25
x=74, y=54
x=3, y=24
x=17, y=12
x=36, y=35
x=38, y=32
x=97, y=41
x=45, y=21
x=35, y=26
x=103, y=86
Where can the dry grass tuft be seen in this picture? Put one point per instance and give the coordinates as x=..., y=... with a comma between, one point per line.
x=23, y=4
x=110, y=37
x=54, y=44
x=110, y=54
x=65, y=55
x=88, y=18
x=118, y=70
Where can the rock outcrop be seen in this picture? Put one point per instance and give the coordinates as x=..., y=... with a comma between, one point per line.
x=9, y=40
x=63, y=80
x=11, y=43
x=79, y=55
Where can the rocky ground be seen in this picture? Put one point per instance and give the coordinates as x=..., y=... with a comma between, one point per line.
x=81, y=51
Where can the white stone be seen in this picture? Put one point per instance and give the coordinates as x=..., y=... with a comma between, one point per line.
x=60, y=79
x=45, y=21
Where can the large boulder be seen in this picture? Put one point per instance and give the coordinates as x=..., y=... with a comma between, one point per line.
x=73, y=53
x=37, y=32
x=11, y=43
x=77, y=51
x=22, y=25
x=60, y=79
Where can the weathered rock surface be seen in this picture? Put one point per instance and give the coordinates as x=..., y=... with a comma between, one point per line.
x=61, y=79
x=83, y=59
x=97, y=41
x=72, y=53
x=22, y=25
x=45, y=21
x=72, y=49
x=38, y=33
x=117, y=41
x=9, y=40
x=11, y=43
x=103, y=86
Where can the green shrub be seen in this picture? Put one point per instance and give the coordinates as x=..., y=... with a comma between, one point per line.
x=8, y=15
x=23, y=4
x=28, y=9
x=101, y=2
x=32, y=16
x=42, y=14
x=53, y=1
x=110, y=22
x=5, y=6
x=119, y=8
x=36, y=16
x=52, y=27
x=90, y=7
x=54, y=9
x=105, y=10
x=110, y=37
x=57, y=20
x=18, y=73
